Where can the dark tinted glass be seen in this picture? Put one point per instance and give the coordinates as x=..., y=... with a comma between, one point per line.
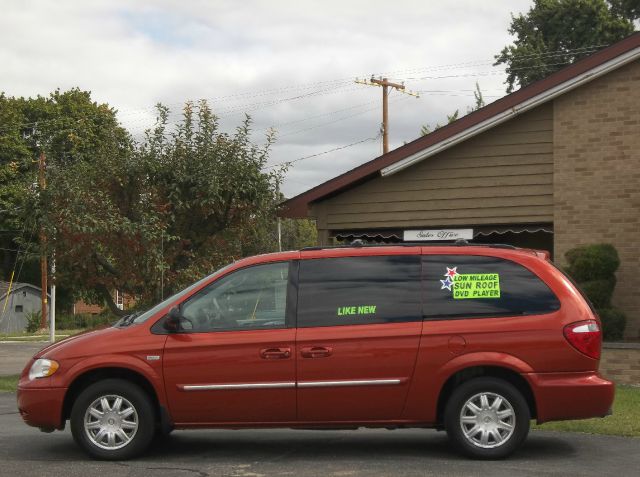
x=359, y=290
x=459, y=286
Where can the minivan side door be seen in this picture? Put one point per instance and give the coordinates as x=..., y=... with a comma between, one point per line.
x=235, y=361
x=359, y=324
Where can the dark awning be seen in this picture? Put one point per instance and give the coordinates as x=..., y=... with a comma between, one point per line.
x=395, y=235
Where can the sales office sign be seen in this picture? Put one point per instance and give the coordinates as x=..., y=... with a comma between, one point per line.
x=437, y=234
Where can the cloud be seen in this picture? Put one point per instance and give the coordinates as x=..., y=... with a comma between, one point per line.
x=288, y=63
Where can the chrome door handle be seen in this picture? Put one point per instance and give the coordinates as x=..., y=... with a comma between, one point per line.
x=275, y=353
x=316, y=352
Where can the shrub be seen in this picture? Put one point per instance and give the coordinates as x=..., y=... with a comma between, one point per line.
x=599, y=292
x=83, y=321
x=593, y=267
x=613, y=324
x=592, y=262
x=33, y=321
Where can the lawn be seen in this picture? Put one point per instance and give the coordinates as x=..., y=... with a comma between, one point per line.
x=8, y=383
x=625, y=420
x=27, y=337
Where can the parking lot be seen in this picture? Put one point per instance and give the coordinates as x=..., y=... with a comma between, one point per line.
x=25, y=451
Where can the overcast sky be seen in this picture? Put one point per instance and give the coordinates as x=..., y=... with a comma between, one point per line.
x=290, y=64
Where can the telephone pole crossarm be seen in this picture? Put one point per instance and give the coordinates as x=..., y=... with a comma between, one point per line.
x=385, y=84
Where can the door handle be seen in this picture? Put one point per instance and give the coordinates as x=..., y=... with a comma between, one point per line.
x=316, y=352
x=275, y=353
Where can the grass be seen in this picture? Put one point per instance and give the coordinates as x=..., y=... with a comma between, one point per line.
x=625, y=420
x=9, y=383
x=27, y=337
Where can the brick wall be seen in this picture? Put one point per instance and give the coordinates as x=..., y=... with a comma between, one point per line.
x=621, y=363
x=597, y=176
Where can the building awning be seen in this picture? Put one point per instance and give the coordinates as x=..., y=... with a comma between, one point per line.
x=395, y=235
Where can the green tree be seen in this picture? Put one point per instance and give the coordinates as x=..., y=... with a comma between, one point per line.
x=554, y=33
x=68, y=127
x=127, y=216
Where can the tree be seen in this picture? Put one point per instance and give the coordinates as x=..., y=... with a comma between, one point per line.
x=555, y=33
x=479, y=103
x=143, y=218
x=151, y=219
x=69, y=127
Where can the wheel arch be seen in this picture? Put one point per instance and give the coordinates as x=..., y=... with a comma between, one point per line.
x=496, y=371
x=94, y=375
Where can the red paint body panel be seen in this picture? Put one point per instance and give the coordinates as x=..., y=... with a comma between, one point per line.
x=420, y=356
x=229, y=358
x=562, y=396
x=393, y=347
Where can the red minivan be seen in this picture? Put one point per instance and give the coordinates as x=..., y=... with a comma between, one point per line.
x=476, y=340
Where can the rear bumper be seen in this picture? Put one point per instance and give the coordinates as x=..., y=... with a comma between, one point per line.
x=563, y=396
x=41, y=407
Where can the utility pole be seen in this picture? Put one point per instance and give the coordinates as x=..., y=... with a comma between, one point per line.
x=43, y=245
x=52, y=315
x=386, y=84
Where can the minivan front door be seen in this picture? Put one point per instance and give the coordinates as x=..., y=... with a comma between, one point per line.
x=234, y=361
x=359, y=325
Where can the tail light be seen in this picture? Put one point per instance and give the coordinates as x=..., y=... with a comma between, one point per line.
x=585, y=336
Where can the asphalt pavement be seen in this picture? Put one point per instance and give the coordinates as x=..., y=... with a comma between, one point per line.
x=25, y=451
x=14, y=356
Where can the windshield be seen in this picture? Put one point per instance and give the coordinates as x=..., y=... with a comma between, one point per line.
x=149, y=313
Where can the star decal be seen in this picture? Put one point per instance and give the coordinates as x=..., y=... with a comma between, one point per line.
x=446, y=284
x=451, y=272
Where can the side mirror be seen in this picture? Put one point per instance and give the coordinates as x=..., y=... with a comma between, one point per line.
x=174, y=319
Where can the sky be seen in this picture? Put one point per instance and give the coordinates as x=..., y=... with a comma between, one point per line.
x=290, y=65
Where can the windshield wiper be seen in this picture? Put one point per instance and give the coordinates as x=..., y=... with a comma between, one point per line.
x=127, y=319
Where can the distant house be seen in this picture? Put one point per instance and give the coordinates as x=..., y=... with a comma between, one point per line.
x=122, y=301
x=16, y=304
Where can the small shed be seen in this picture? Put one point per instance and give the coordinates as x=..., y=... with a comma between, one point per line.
x=16, y=304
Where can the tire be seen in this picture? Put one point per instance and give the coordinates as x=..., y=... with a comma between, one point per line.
x=483, y=431
x=124, y=431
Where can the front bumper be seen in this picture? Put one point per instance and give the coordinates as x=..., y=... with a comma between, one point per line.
x=563, y=396
x=41, y=407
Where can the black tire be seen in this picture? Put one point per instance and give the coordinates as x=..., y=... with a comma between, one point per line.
x=144, y=415
x=519, y=413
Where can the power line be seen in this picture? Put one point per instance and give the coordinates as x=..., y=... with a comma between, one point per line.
x=331, y=86
x=289, y=163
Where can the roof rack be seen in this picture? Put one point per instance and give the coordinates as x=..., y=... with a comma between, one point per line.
x=458, y=243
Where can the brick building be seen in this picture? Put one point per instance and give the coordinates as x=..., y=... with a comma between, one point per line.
x=551, y=166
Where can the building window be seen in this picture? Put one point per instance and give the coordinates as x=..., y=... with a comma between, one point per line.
x=18, y=308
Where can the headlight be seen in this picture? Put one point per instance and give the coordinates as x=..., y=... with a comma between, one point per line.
x=42, y=368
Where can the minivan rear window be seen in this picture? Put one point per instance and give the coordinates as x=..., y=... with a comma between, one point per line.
x=470, y=286
x=359, y=290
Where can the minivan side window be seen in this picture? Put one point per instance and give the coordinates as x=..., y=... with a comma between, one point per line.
x=469, y=286
x=359, y=290
x=250, y=298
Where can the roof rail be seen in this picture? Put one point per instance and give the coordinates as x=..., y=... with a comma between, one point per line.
x=458, y=243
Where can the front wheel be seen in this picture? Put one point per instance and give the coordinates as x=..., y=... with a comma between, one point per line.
x=113, y=420
x=487, y=418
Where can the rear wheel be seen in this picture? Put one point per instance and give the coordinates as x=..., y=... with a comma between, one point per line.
x=113, y=420
x=487, y=418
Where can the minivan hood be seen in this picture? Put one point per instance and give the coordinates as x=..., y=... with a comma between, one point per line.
x=81, y=338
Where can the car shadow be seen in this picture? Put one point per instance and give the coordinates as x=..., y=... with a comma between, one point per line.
x=334, y=445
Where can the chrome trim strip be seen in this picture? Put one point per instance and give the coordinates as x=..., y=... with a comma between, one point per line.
x=210, y=387
x=356, y=382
